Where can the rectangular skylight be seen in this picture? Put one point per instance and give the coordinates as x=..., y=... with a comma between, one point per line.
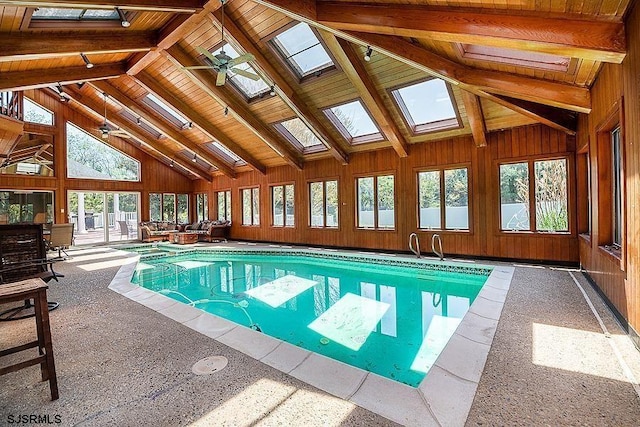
x=249, y=88
x=354, y=122
x=225, y=153
x=296, y=132
x=55, y=13
x=302, y=50
x=168, y=112
x=427, y=106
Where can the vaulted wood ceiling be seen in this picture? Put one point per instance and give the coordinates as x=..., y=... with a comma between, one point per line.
x=461, y=43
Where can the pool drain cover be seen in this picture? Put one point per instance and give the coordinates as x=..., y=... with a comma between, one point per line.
x=209, y=365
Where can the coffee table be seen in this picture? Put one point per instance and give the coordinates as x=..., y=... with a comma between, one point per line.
x=184, y=238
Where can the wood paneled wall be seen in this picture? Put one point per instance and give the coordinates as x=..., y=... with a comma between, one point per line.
x=155, y=176
x=484, y=238
x=617, y=276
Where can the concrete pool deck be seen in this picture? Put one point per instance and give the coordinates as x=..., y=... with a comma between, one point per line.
x=120, y=363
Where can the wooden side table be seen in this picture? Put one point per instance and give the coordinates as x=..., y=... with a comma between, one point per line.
x=34, y=289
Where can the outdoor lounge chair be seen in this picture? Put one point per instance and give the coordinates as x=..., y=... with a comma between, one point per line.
x=61, y=238
x=23, y=256
x=125, y=230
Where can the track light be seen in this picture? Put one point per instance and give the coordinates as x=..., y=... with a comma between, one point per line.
x=88, y=63
x=138, y=121
x=61, y=93
x=195, y=158
x=171, y=164
x=105, y=133
x=190, y=125
x=123, y=18
x=273, y=91
x=226, y=111
x=367, y=55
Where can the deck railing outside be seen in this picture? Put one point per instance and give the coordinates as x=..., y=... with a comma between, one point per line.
x=11, y=104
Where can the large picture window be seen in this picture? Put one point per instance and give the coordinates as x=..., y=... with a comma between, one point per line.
x=282, y=205
x=448, y=209
x=323, y=204
x=169, y=207
x=549, y=198
x=224, y=205
x=376, y=202
x=202, y=206
x=251, y=206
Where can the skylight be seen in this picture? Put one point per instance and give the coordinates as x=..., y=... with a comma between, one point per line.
x=354, y=122
x=53, y=13
x=543, y=61
x=225, y=153
x=168, y=112
x=427, y=106
x=296, y=132
x=302, y=50
x=142, y=124
x=250, y=88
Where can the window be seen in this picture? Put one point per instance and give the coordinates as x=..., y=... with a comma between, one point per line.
x=224, y=205
x=282, y=202
x=226, y=154
x=46, y=13
x=164, y=110
x=323, y=204
x=549, y=198
x=454, y=199
x=302, y=50
x=155, y=207
x=202, y=207
x=354, y=122
x=139, y=122
x=542, y=61
x=427, y=106
x=35, y=113
x=251, y=89
x=299, y=134
x=616, y=181
x=169, y=207
x=183, y=208
x=53, y=17
x=251, y=206
x=26, y=206
x=90, y=158
x=376, y=202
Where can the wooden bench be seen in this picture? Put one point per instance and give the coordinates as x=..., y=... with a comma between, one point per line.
x=34, y=289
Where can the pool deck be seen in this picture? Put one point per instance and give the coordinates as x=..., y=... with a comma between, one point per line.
x=120, y=362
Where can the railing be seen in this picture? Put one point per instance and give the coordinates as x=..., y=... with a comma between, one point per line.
x=436, y=238
x=416, y=250
x=11, y=104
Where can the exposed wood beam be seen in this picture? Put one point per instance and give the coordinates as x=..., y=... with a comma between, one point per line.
x=204, y=79
x=152, y=85
x=98, y=109
x=476, y=118
x=562, y=120
x=170, y=34
x=351, y=64
x=181, y=6
x=33, y=79
x=574, y=37
x=22, y=46
x=535, y=90
x=237, y=37
x=163, y=127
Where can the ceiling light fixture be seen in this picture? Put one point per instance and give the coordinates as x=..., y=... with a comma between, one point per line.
x=226, y=111
x=195, y=158
x=139, y=121
x=190, y=125
x=61, y=93
x=88, y=63
x=367, y=55
x=272, y=92
x=171, y=164
x=123, y=18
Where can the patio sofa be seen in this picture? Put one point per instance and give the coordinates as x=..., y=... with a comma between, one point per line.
x=156, y=231
x=210, y=231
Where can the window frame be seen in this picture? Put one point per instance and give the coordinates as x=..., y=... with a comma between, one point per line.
x=284, y=132
x=443, y=218
x=252, y=190
x=284, y=186
x=271, y=42
x=202, y=199
x=227, y=204
x=324, y=203
x=353, y=140
x=164, y=112
x=53, y=114
x=376, y=226
x=531, y=161
x=60, y=24
x=425, y=128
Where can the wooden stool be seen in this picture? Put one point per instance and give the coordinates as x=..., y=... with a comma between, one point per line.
x=34, y=289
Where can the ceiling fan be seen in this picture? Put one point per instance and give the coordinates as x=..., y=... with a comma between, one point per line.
x=107, y=130
x=223, y=63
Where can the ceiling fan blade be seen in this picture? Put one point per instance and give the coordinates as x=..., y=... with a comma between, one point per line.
x=222, y=76
x=208, y=54
x=246, y=74
x=241, y=59
x=198, y=67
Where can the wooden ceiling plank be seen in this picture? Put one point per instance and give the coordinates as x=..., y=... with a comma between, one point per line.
x=350, y=63
x=235, y=36
x=205, y=80
x=97, y=108
x=27, y=46
x=163, y=127
x=476, y=118
x=180, y=6
x=170, y=34
x=150, y=84
x=33, y=79
x=563, y=35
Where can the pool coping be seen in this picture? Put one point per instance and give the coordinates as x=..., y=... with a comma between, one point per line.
x=445, y=395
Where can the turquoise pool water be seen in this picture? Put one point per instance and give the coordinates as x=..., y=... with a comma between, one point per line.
x=392, y=320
